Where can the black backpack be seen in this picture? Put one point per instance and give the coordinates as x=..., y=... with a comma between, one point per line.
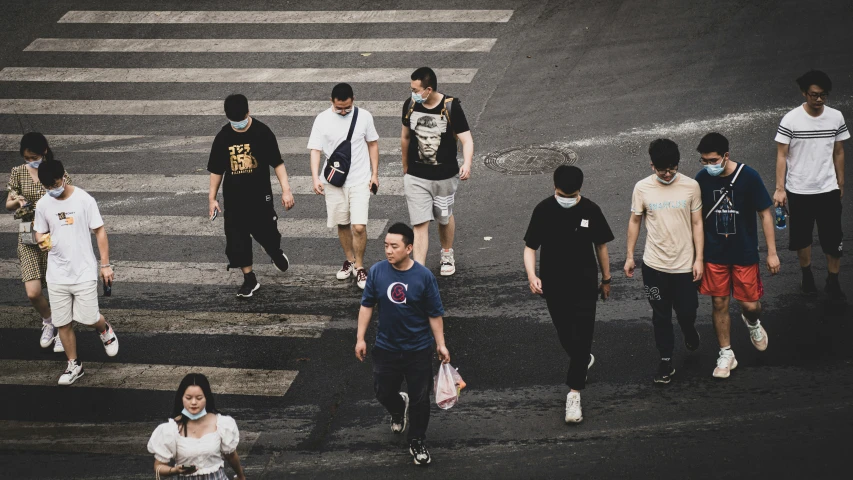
x=338, y=163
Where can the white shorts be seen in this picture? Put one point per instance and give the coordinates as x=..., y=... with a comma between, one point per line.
x=347, y=205
x=78, y=302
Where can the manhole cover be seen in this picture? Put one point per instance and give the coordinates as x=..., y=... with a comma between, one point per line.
x=530, y=160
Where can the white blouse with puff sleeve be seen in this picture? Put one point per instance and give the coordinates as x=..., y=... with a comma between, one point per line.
x=206, y=453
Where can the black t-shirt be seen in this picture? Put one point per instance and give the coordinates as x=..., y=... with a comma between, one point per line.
x=567, y=236
x=244, y=160
x=432, y=146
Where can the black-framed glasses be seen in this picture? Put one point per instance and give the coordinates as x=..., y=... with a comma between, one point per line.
x=821, y=95
x=341, y=110
x=711, y=161
x=670, y=171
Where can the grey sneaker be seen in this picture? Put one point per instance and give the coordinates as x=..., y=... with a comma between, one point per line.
x=448, y=263
x=48, y=335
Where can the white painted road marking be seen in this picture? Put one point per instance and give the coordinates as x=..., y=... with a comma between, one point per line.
x=227, y=75
x=299, y=17
x=134, y=376
x=270, y=45
x=261, y=108
x=185, y=322
x=193, y=184
x=201, y=226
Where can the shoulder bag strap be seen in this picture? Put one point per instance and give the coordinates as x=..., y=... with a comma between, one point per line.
x=725, y=191
x=411, y=109
x=352, y=124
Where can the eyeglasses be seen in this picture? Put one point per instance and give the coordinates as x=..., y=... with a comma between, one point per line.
x=341, y=110
x=670, y=171
x=712, y=161
x=821, y=95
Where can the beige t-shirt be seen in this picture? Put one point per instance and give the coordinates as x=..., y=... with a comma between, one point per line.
x=669, y=230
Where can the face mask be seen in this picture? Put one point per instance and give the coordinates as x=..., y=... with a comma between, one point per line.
x=240, y=125
x=189, y=415
x=34, y=163
x=417, y=98
x=715, y=170
x=566, y=202
x=664, y=181
x=56, y=192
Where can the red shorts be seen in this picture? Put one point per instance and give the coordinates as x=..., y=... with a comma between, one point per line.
x=743, y=283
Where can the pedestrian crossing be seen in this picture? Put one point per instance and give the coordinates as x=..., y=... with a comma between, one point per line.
x=299, y=17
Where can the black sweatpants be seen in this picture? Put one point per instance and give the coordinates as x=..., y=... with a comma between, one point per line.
x=241, y=227
x=667, y=292
x=574, y=320
x=389, y=371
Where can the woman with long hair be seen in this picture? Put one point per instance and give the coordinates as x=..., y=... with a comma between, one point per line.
x=24, y=191
x=197, y=439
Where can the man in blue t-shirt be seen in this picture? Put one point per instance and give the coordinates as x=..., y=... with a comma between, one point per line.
x=410, y=321
x=732, y=193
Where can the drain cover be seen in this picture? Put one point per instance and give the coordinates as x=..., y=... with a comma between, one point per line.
x=530, y=160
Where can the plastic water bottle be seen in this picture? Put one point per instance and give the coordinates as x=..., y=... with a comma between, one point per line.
x=781, y=218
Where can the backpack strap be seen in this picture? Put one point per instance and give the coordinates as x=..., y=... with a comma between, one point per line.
x=725, y=191
x=445, y=112
x=411, y=109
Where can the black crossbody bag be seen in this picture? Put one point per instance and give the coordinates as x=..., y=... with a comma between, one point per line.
x=339, y=162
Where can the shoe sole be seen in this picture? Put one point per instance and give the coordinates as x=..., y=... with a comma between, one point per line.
x=72, y=380
x=344, y=278
x=447, y=274
x=416, y=460
x=734, y=366
x=405, y=415
x=288, y=263
x=257, y=286
x=766, y=344
x=571, y=422
x=665, y=380
x=48, y=344
x=59, y=350
x=693, y=348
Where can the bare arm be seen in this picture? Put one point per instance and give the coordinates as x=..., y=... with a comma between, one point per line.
x=166, y=470
x=373, y=151
x=404, y=148
x=234, y=460
x=13, y=202
x=364, y=316
x=436, y=324
x=604, y=264
x=467, y=154
x=698, y=222
x=779, y=196
x=767, y=224
x=104, y=250
x=633, y=234
x=838, y=160
x=286, y=195
x=316, y=159
x=530, y=267
x=215, y=182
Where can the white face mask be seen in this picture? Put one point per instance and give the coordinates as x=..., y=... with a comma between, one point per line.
x=566, y=202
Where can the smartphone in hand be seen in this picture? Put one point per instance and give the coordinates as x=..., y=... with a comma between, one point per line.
x=374, y=188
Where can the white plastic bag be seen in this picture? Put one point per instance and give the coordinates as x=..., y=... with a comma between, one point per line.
x=448, y=384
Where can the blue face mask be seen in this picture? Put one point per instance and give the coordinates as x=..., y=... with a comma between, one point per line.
x=664, y=181
x=189, y=415
x=715, y=170
x=56, y=192
x=566, y=202
x=417, y=98
x=34, y=163
x=240, y=125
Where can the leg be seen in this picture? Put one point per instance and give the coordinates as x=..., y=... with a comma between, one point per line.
x=419, y=201
x=419, y=383
x=345, y=237
x=359, y=244
x=447, y=232
x=830, y=234
x=751, y=311
x=387, y=380
x=657, y=290
x=238, y=244
x=722, y=321
x=421, y=242
x=359, y=205
x=69, y=341
x=804, y=255
x=685, y=301
x=560, y=310
x=583, y=327
x=833, y=264
x=34, y=293
x=338, y=215
x=61, y=305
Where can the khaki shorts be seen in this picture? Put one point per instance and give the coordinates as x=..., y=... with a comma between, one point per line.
x=78, y=302
x=430, y=199
x=347, y=205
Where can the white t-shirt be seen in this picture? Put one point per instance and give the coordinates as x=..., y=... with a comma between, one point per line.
x=330, y=129
x=71, y=260
x=811, y=141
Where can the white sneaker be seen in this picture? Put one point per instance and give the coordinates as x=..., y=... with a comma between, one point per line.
x=573, y=408
x=48, y=334
x=448, y=263
x=110, y=341
x=72, y=373
x=757, y=334
x=57, y=345
x=346, y=271
x=361, y=278
x=398, y=425
x=725, y=364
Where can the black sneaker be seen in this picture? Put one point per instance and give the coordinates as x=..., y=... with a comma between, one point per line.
x=833, y=289
x=400, y=422
x=807, y=285
x=665, y=372
x=249, y=287
x=692, y=340
x=281, y=262
x=420, y=454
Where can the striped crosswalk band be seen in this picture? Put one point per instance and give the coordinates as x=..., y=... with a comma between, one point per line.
x=157, y=143
x=186, y=322
x=138, y=376
x=196, y=273
x=200, y=226
x=227, y=75
x=276, y=16
x=192, y=184
x=260, y=45
x=261, y=108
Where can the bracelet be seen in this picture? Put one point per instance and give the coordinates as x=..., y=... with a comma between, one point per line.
x=606, y=282
x=109, y=265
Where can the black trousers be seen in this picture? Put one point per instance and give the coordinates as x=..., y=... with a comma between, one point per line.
x=574, y=320
x=389, y=371
x=667, y=292
x=241, y=227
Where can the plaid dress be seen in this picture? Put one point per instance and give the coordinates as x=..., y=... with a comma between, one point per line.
x=33, y=260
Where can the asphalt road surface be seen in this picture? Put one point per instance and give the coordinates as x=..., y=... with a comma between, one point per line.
x=601, y=78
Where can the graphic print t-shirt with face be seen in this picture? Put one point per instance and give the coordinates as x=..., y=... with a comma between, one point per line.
x=244, y=160
x=731, y=232
x=406, y=301
x=432, y=145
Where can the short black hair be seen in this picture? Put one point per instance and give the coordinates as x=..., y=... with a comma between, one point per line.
x=342, y=91
x=36, y=143
x=814, y=77
x=400, y=228
x=236, y=107
x=427, y=78
x=713, y=142
x=50, y=172
x=664, y=153
x=568, y=178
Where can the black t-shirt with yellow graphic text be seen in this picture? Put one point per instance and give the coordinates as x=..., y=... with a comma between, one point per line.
x=244, y=160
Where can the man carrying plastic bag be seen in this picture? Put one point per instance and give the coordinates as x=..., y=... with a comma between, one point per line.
x=410, y=322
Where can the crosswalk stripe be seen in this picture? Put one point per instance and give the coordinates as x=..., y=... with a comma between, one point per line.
x=200, y=226
x=212, y=274
x=125, y=438
x=185, y=322
x=193, y=184
x=255, y=45
x=152, y=143
x=136, y=376
x=261, y=108
x=227, y=75
x=340, y=18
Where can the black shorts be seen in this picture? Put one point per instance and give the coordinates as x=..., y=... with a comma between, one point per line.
x=823, y=208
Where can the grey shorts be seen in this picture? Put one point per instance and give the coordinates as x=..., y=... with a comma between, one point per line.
x=430, y=199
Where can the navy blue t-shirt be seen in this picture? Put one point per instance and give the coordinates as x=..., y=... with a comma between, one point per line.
x=731, y=232
x=407, y=299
